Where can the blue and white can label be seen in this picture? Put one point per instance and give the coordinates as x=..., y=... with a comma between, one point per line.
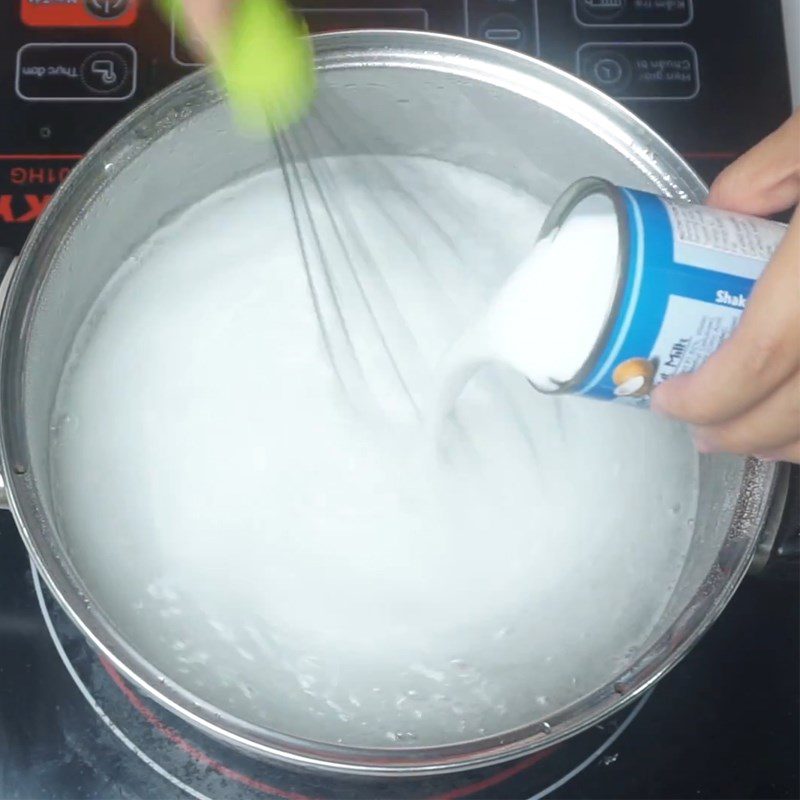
x=688, y=272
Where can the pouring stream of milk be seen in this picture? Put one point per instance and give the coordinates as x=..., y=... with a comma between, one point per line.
x=547, y=317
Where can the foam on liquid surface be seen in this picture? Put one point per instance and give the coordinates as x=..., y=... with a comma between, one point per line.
x=327, y=572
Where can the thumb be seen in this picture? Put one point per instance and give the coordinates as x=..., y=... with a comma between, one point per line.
x=204, y=22
x=766, y=179
x=669, y=397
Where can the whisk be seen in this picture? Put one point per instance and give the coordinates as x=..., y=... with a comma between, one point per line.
x=338, y=264
x=266, y=64
x=374, y=351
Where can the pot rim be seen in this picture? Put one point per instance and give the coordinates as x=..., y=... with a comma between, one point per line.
x=513, y=71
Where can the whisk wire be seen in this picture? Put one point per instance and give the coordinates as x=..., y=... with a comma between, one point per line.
x=306, y=192
x=341, y=219
x=337, y=254
x=287, y=167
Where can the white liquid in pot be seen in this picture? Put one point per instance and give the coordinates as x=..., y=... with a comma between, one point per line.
x=326, y=572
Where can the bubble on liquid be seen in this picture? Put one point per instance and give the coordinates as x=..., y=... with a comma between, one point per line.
x=306, y=681
x=245, y=654
x=401, y=736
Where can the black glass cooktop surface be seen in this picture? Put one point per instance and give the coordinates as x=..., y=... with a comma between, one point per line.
x=724, y=724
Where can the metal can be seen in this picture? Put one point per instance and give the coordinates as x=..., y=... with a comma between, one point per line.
x=684, y=275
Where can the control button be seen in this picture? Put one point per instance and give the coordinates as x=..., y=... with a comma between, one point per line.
x=507, y=36
x=59, y=71
x=505, y=23
x=79, y=13
x=633, y=13
x=610, y=70
x=641, y=70
x=106, y=9
x=506, y=30
x=322, y=20
x=599, y=10
x=104, y=72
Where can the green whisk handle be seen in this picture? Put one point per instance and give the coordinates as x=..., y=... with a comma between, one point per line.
x=264, y=60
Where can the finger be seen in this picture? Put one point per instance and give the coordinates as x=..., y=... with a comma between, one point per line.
x=791, y=452
x=769, y=425
x=766, y=179
x=760, y=355
x=207, y=20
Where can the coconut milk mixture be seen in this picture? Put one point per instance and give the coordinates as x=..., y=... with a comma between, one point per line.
x=314, y=564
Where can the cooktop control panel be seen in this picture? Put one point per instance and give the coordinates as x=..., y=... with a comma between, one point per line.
x=710, y=77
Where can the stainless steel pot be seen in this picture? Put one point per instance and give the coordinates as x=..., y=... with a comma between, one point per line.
x=472, y=104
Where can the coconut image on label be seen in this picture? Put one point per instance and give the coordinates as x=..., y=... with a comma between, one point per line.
x=635, y=377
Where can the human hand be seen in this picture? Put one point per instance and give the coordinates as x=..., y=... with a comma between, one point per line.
x=261, y=54
x=746, y=397
x=206, y=22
